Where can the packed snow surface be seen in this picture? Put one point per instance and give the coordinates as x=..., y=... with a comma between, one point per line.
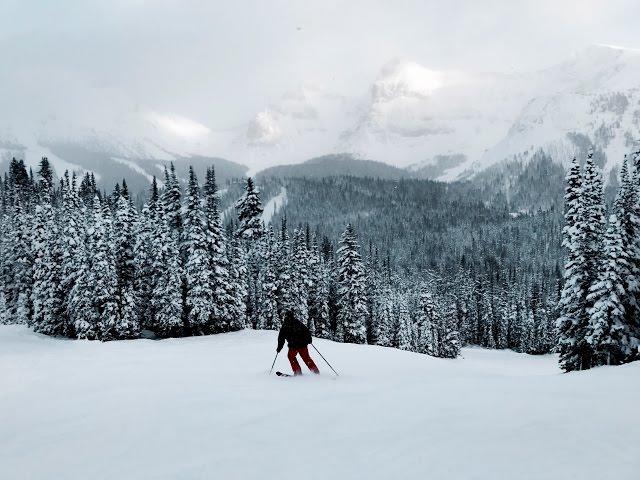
x=207, y=408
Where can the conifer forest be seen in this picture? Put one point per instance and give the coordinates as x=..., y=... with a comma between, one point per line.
x=412, y=264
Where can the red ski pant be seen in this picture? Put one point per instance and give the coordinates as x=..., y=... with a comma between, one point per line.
x=304, y=353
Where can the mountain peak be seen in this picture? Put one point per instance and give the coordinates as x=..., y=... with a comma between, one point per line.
x=402, y=78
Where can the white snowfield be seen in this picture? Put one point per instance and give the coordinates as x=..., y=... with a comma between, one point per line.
x=206, y=408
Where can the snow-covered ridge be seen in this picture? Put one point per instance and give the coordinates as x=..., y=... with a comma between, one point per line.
x=410, y=114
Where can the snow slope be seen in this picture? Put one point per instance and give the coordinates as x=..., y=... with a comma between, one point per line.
x=206, y=408
x=274, y=205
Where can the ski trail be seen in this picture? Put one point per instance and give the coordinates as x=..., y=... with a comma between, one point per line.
x=274, y=205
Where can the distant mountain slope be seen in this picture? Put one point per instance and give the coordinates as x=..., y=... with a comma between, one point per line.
x=451, y=125
x=443, y=125
x=336, y=165
x=110, y=167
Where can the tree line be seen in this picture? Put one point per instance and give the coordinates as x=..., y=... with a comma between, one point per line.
x=599, y=322
x=81, y=263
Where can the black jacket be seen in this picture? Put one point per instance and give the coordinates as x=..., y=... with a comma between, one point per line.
x=295, y=333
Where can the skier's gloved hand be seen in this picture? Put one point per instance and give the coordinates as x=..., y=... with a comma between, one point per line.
x=278, y=349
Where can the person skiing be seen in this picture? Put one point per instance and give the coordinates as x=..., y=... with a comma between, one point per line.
x=298, y=337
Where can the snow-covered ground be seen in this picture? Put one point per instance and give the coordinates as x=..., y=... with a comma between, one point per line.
x=274, y=205
x=206, y=408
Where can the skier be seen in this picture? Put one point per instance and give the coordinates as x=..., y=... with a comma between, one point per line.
x=298, y=337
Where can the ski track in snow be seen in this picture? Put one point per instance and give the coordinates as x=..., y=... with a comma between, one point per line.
x=274, y=205
x=206, y=408
x=138, y=169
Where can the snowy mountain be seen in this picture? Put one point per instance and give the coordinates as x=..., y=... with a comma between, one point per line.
x=451, y=125
x=589, y=100
x=439, y=124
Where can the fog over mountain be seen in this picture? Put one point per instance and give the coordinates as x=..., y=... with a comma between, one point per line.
x=139, y=84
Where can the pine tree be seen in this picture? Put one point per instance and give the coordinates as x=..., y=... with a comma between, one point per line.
x=405, y=327
x=82, y=310
x=144, y=280
x=373, y=300
x=42, y=241
x=608, y=332
x=167, y=295
x=198, y=274
x=71, y=231
x=45, y=184
x=449, y=337
x=217, y=246
x=268, y=301
x=428, y=320
x=301, y=280
x=3, y=309
x=318, y=293
x=285, y=284
x=238, y=281
x=487, y=321
x=386, y=318
x=502, y=327
x=19, y=274
x=627, y=210
x=526, y=337
x=250, y=213
x=123, y=233
x=575, y=353
x=171, y=205
x=352, y=301
x=105, y=276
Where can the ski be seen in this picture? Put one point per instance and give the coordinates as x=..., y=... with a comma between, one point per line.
x=280, y=374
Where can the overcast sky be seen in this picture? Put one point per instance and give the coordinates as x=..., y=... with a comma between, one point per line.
x=219, y=62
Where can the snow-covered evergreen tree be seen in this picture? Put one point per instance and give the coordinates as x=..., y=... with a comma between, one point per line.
x=608, y=332
x=249, y=213
x=105, y=276
x=83, y=313
x=238, y=280
x=386, y=319
x=42, y=241
x=3, y=309
x=405, y=327
x=286, y=287
x=268, y=301
x=352, y=301
x=124, y=240
x=318, y=292
x=170, y=200
x=199, y=277
x=300, y=263
x=19, y=280
x=144, y=281
x=428, y=321
x=167, y=293
x=71, y=229
x=574, y=351
x=222, y=301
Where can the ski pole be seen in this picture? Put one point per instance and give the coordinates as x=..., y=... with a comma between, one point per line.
x=274, y=362
x=334, y=371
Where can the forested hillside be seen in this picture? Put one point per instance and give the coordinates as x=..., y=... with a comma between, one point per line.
x=499, y=271
x=414, y=264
